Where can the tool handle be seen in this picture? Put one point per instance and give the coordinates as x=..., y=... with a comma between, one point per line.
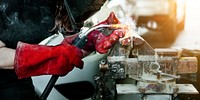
x=80, y=42
x=49, y=87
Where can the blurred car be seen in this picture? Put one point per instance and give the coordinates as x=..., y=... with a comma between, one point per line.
x=166, y=16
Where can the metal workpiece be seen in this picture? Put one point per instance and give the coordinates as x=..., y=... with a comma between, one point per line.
x=154, y=71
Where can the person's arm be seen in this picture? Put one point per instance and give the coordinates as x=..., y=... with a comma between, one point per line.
x=6, y=57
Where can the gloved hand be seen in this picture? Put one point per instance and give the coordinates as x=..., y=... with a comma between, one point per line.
x=98, y=41
x=35, y=60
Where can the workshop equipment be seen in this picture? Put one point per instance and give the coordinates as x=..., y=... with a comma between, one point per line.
x=136, y=68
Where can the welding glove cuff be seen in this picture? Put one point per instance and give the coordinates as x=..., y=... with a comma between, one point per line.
x=35, y=60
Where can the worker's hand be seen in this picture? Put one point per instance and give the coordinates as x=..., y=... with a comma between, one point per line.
x=98, y=41
x=35, y=60
x=101, y=42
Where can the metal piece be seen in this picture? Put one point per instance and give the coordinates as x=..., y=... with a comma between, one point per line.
x=103, y=66
x=187, y=65
x=133, y=89
x=155, y=70
x=165, y=74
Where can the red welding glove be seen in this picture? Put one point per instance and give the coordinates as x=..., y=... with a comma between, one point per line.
x=35, y=60
x=98, y=41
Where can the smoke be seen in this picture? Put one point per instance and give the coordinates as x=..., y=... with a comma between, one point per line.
x=30, y=25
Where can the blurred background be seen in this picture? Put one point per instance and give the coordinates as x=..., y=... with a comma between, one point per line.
x=163, y=24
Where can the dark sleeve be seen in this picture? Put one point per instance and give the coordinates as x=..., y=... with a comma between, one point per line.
x=29, y=25
x=27, y=32
x=12, y=37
